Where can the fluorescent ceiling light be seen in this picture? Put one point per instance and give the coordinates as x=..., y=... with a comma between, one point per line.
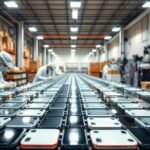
x=40, y=37
x=73, y=37
x=53, y=53
x=91, y=53
x=75, y=4
x=32, y=29
x=115, y=29
x=73, y=46
x=50, y=50
x=46, y=46
x=75, y=14
x=73, y=50
x=93, y=50
x=146, y=5
x=11, y=4
x=74, y=29
x=98, y=46
x=108, y=37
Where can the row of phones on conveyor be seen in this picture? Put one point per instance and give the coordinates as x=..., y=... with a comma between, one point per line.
x=48, y=134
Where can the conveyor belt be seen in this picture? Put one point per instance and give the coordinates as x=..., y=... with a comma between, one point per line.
x=73, y=112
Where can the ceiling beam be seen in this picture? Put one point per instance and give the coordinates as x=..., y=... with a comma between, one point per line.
x=68, y=45
x=63, y=23
x=64, y=36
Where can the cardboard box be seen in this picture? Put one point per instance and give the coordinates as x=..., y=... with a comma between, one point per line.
x=11, y=45
x=1, y=44
x=13, y=76
x=26, y=63
x=114, y=72
x=31, y=77
x=26, y=54
x=2, y=33
x=145, y=85
x=6, y=34
x=5, y=39
x=94, y=67
x=95, y=74
x=34, y=65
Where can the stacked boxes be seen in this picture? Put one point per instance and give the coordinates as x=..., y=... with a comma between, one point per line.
x=34, y=65
x=95, y=68
x=145, y=85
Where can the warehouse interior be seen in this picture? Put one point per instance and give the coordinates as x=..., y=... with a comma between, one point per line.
x=74, y=73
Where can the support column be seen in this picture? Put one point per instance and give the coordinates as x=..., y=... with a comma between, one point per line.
x=121, y=43
x=93, y=57
x=20, y=45
x=148, y=29
x=49, y=57
x=106, y=50
x=35, y=52
x=44, y=56
x=97, y=55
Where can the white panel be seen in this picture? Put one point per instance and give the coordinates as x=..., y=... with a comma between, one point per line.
x=113, y=49
x=137, y=38
x=64, y=55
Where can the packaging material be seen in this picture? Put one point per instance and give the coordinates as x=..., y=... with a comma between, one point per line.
x=31, y=77
x=145, y=85
x=97, y=74
x=34, y=65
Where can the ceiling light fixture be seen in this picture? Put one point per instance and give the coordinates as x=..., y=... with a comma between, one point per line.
x=74, y=29
x=40, y=37
x=46, y=46
x=75, y=14
x=11, y=4
x=73, y=50
x=75, y=3
x=32, y=29
x=91, y=53
x=146, y=5
x=93, y=50
x=53, y=53
x=73, y=46
x=116, y=29
x=50, y=50
x=108, y=37
x=98, y=46
x=73, y=37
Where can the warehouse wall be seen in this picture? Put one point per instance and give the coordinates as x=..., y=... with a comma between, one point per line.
x=136, y=38
x=102, y=57
x=113, y=49
x=65, y=55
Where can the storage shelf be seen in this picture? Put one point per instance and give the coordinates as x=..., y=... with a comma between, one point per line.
x=16, y=79
x=13, y=52
x=16, y=72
